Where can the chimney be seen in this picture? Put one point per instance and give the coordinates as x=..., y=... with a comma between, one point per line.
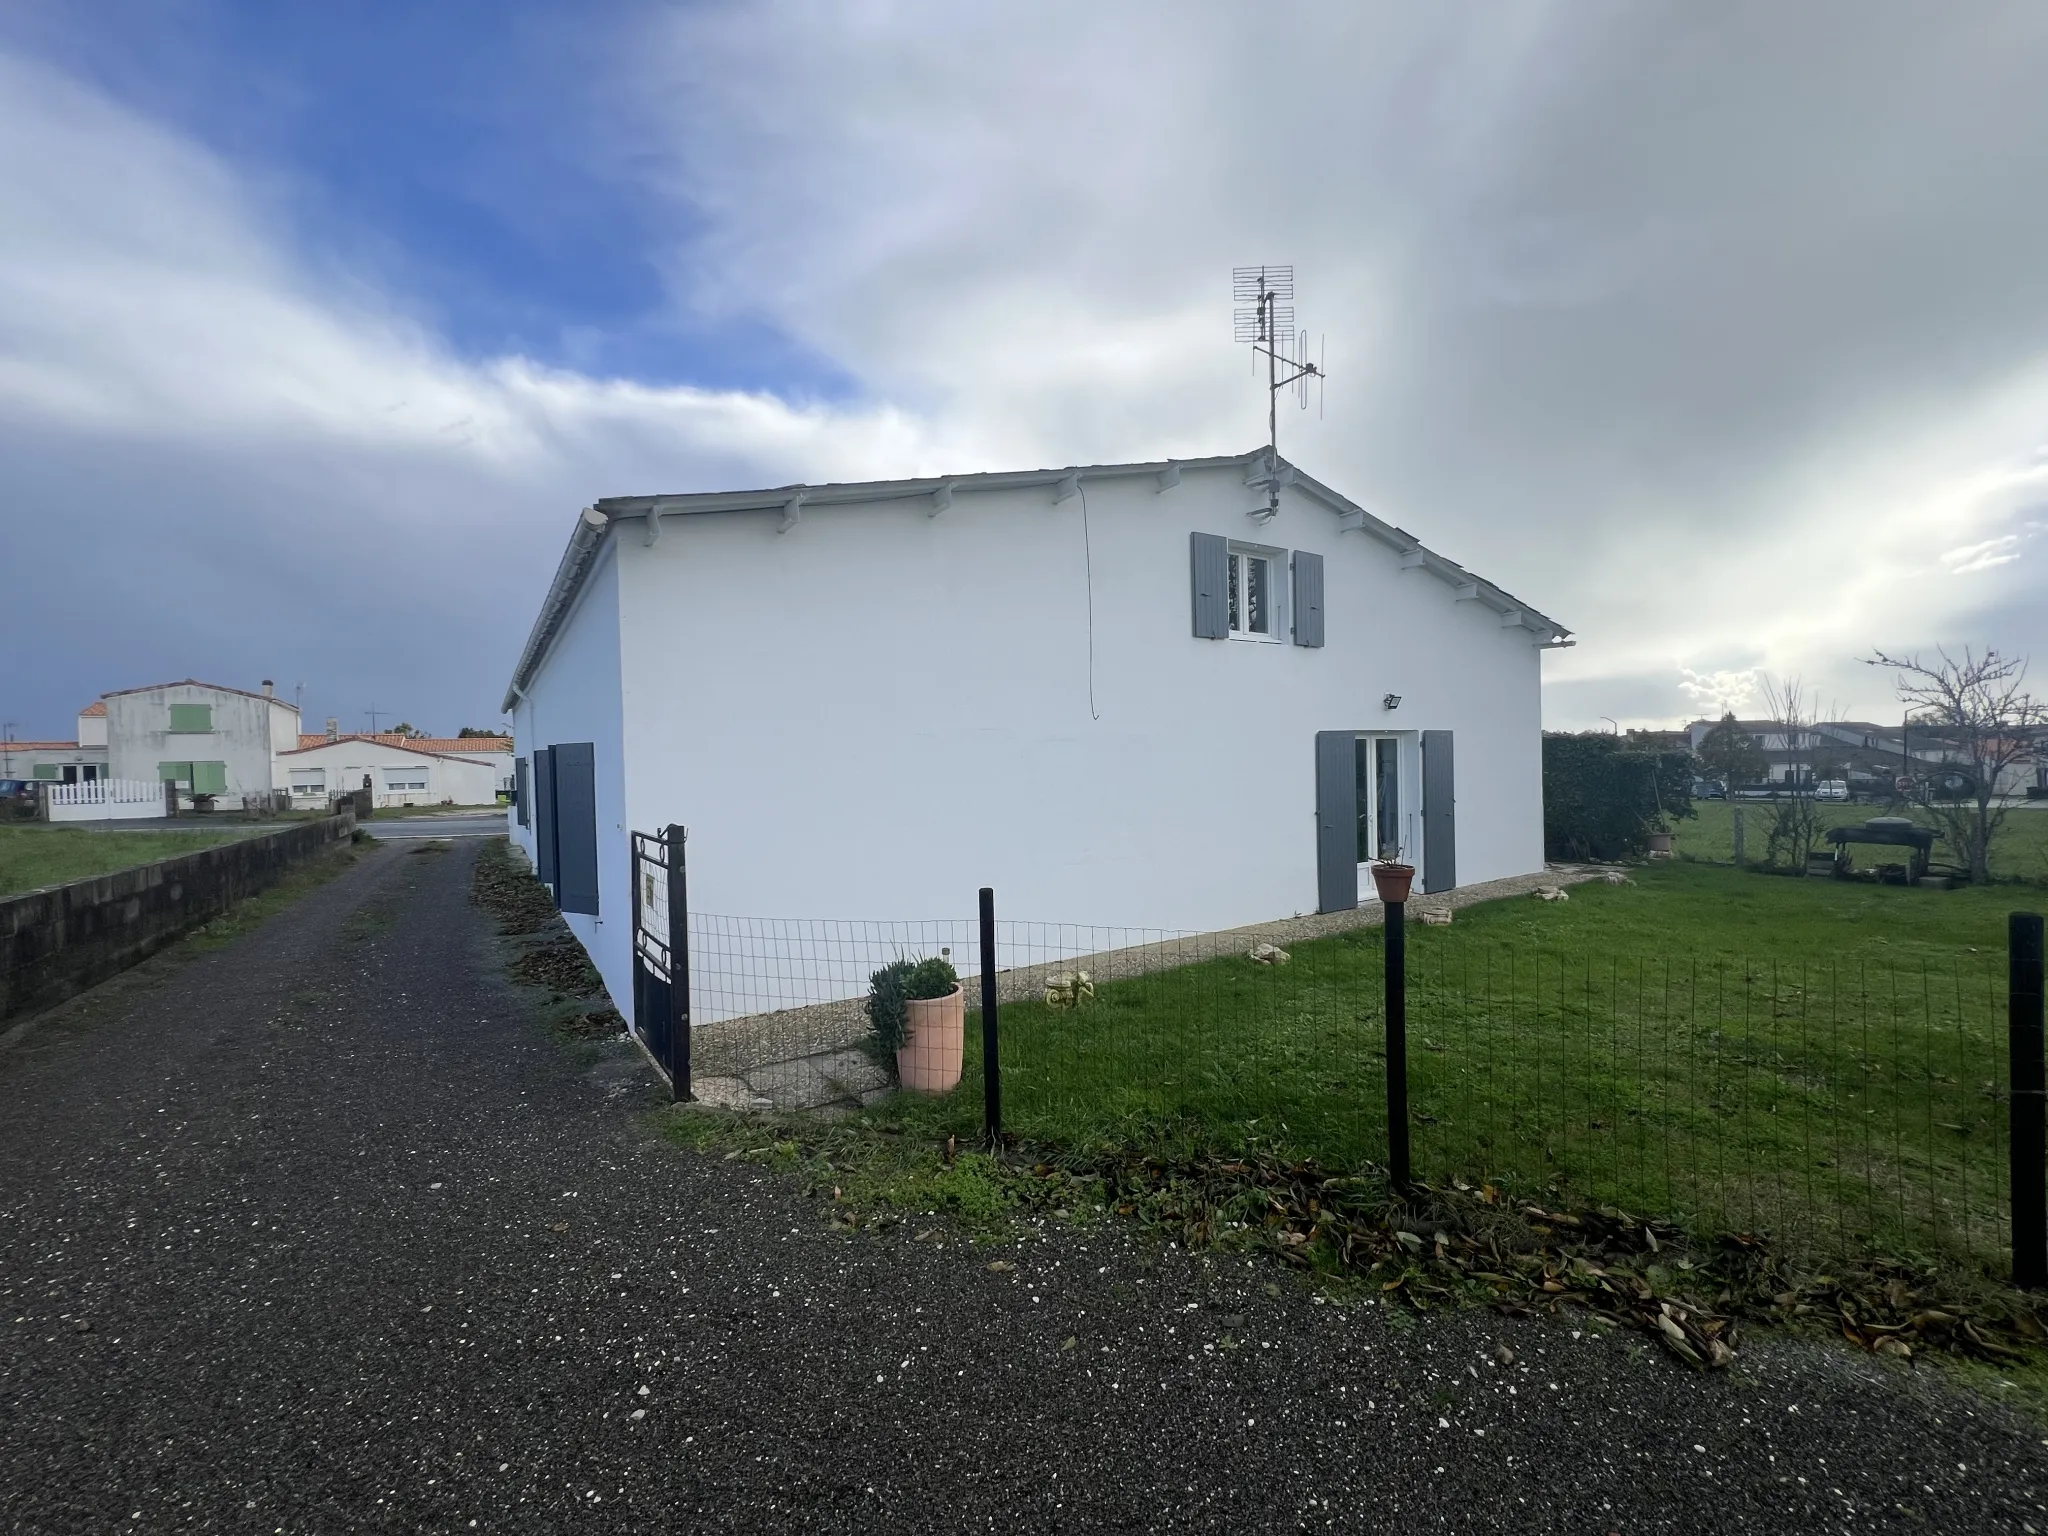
x=269, y=689
x=333, y=729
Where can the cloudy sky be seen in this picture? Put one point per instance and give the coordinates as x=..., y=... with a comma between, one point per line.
x=1718, y=332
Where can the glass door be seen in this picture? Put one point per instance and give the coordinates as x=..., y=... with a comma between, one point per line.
x=1377, y=764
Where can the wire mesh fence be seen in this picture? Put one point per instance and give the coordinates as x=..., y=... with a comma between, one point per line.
x=1832, y=1106
x=1838, y=1107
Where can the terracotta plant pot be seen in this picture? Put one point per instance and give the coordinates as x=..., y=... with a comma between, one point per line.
x=935, y=1035
x=1393, y=880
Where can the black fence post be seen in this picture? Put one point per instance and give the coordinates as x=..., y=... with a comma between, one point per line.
x=678, y=965
x=2029, y=1103
x=1397, y=1044
x=991, y=1068
x=634, y=860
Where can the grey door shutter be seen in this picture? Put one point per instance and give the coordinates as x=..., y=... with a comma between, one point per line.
x=522, y=785
x=1336, y=821
x=1308, y=598
x=576, y=826
x=1439, y=813
x=544, y=816
x=1209, y=568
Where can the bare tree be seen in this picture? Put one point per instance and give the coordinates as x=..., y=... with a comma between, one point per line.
x=1795, y=826
x=1978, y=709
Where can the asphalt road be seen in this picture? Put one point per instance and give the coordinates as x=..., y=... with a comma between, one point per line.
x=318, y=1232
x=486, y=823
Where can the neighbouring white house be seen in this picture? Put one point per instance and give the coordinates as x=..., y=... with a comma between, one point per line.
x=396, y=770
x=229, y=742
x=82, y=761
x=1130, y=694
x=208, y=739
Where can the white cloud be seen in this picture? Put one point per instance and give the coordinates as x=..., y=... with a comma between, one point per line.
x=228, y=458
x=1720, y=345
x=1986, y=556
x=1709, y=340
x=1716, y=693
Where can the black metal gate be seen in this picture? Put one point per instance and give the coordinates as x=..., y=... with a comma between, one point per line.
x=661, y=953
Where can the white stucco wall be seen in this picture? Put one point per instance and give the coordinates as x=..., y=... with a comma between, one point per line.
x=247, y=728
x=880, y=711
x=576, y=697
x=20, y=761
x=344, y=763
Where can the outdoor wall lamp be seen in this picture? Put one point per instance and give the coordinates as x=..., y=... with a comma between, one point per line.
x=1391, y=701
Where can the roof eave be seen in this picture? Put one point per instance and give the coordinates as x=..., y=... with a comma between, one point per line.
x=596, y=520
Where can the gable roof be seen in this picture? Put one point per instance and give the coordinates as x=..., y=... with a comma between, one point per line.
x=445, y=745
x=401, y=744
x=193, y=682
x=1262, y=468
x=96, y=707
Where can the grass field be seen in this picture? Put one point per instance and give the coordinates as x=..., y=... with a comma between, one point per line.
x=1810, y=1058
x=2019, y=852
x=34, y=856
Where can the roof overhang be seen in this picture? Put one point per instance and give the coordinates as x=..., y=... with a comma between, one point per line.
x=793, y=502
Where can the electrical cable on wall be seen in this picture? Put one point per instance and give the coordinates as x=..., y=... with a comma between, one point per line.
x=1088, y=565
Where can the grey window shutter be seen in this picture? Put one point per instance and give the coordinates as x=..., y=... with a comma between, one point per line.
x=576, y=827
x=1336, y=821
x=1308, y=598
x=1439, y=813
x=521, y=788
x=1209, y=568
x=544, y=816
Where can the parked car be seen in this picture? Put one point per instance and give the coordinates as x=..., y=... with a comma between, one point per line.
x=1831, y=789
x=1709, y=789
x=17, y=789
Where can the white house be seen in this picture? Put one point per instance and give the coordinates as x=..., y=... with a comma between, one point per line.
x=209, y=739
x=62, y=762
x=1125, y=694
x=396, y=771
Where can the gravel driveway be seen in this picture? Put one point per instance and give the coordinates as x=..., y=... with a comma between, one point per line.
x=319, y=1232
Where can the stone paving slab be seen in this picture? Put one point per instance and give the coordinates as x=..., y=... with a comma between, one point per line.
x=770, y=1050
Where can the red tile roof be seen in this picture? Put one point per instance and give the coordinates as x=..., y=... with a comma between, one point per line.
x=443, y=745
x=97, y=707
x=38, y=746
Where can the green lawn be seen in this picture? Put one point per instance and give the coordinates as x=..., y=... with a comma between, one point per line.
x=2019, y=852
x=1810, y=1058
x=34, y=856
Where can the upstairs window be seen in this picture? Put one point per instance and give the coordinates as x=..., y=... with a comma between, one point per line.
x=1253, y=600
x=193, y=719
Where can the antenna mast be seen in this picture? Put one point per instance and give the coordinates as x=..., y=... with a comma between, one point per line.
x=1264, y=317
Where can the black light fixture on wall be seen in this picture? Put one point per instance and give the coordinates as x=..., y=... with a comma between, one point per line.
x=1391, y=701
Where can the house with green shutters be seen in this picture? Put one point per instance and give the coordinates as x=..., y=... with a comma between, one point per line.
x=208, y=739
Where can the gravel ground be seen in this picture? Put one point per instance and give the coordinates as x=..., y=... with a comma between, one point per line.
x=318, y=1231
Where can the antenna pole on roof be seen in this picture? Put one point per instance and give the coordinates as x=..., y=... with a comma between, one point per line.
x=1265, y=318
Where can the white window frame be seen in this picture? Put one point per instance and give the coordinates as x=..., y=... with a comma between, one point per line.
x=1408, y=791
x=1237, y=580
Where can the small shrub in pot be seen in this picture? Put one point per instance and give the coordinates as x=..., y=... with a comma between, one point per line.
x=919, y=1014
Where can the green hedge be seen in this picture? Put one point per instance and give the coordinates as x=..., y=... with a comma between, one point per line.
x=1602, y=801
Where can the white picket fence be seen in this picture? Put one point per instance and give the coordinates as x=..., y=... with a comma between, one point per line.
x=105, y=800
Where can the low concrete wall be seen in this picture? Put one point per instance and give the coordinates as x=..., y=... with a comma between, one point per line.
x=60, y=940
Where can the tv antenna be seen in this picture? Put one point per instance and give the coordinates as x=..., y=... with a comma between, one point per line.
x=1264, y=317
